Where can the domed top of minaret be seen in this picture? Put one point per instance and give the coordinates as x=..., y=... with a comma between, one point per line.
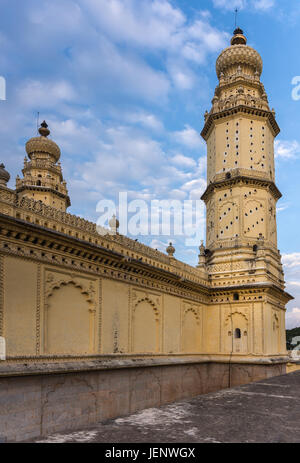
x=238, y=37
x=42, y=144
x=4, y=175
x=239, y=54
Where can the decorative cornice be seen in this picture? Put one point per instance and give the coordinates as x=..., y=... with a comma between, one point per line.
x=251, y=288
x=236, y=110
x=233, y=180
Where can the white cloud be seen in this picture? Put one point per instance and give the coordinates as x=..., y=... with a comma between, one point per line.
x=264, y=4
x=282, y=207
x=120, y=158
x=210, y=37
x=142, y=23
x=291, y=260
x=102, y=46
x=285, y=149
x=193, y=52
x=155, y=26
x=230, y=5
x=182, y=77
x=120, y=71
x=293, y=318
x=195, y=188
x=76, y=138
x=183, y=161
x=291, y=266
x=201, y=167
x=188, y=137
x=39, y=94
x=145, y=119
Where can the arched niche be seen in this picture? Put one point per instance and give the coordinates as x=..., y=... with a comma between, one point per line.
x=191, y=331
x=237, y=333
x=145, y=327
x=69, y=320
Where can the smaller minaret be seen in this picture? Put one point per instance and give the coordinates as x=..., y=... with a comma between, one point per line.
x=43, y=179
x=202, y=257
x=114, y=225
x=4, y=176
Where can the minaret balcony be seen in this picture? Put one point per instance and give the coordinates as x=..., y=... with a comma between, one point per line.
x=42, y=164
x=42, y=183
x=232, y=173
x=240, y=100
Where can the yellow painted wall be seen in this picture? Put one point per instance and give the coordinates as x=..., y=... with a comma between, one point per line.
x=68, y=322
x=48, y=310
x=191, y=332
x=20, y=305
x=172, y=324
x=115, y=317
x=212, y=329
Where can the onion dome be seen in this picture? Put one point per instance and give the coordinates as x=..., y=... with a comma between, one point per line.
x=170, y=250
x=42, y=144
x=4, y=175
x=114, y=224
x=238, y=54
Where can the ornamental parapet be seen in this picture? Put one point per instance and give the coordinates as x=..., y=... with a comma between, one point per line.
x=42, y=164
x=38, y=213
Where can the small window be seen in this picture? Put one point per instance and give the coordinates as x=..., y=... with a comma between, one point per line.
x=236, y=297
x=237, y=333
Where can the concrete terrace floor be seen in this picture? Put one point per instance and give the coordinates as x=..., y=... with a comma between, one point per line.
x=265, y=411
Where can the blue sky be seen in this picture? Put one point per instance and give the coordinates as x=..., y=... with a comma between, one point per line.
x=124, y=84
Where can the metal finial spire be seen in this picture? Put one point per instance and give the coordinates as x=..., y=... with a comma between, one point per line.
x=236, y=13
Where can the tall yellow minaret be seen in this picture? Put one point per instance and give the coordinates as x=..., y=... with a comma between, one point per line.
x=241, y=196
x=43, y=180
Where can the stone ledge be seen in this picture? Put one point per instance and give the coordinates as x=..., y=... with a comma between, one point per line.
x=116, y=362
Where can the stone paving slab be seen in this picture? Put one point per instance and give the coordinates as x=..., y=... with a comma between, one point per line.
x=265, y=411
